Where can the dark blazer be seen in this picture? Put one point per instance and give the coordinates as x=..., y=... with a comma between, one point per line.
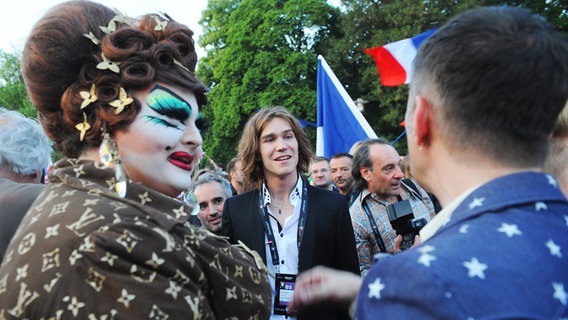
x=328, y=237
x=15, y=200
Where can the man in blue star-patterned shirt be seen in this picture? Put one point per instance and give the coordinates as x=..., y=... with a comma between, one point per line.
x=486, y=91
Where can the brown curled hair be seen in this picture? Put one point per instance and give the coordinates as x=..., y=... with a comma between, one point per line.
x=59, y=62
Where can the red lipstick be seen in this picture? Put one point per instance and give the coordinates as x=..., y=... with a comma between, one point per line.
x=182, y=160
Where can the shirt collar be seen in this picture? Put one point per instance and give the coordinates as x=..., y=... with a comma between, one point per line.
x=367, y=194
x=295, y=195
x=443, y=216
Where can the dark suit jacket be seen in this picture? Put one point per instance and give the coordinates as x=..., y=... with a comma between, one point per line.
x=15, y=200
x=328, y=237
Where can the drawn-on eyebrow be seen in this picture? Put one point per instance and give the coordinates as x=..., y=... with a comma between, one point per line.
x=166, y=102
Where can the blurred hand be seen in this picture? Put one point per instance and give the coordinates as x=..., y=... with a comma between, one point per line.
x=398, y=241
x=323, y=284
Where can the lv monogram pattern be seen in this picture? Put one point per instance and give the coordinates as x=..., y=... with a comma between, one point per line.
x=85, y=253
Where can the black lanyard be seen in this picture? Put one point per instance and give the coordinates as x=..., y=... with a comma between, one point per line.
x=268, y=228
x=380, y=242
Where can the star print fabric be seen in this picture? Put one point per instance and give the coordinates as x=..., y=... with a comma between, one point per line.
x=83, y=252
x=502, y=254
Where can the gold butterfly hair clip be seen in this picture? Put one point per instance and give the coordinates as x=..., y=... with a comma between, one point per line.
x=92, y=37
x=83, y=127
x=120, y=17
x=160, y=25
x=123, y=101
x=88, y=97
x=108, y=64
x=110, y=28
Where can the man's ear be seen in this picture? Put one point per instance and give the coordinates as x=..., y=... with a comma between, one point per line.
x=365, y=173
x=423, y=118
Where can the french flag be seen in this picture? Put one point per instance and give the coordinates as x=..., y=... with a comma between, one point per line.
x=339, y=123
x=394, y=60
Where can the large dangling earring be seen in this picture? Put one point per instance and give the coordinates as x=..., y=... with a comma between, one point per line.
x=108, y=153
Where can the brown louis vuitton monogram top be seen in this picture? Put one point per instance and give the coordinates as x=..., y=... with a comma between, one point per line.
x=82, y=252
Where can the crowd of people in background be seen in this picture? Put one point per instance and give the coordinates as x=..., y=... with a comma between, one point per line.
x=25, y=157
x=124, y=225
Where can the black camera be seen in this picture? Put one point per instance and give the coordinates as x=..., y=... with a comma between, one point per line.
x=403, y=222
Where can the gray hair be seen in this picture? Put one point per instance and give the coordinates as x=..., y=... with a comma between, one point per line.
x=24, y=147
x=208, y=177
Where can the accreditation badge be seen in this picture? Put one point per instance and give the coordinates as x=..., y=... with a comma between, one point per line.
x=284, y=285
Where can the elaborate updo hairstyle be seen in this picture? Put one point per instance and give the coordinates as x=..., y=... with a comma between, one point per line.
x=81, y=47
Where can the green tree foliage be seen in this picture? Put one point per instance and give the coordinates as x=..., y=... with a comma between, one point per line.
x=13, y=93
x=366, y=24
x=259, y=54
x=263, y=53
x=370, y=23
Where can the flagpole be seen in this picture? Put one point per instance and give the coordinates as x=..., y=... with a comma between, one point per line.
x=340, y=123
x=362, y=121
x=398, y=138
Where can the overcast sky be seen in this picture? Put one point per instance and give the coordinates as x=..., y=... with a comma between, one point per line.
x=18, y=18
